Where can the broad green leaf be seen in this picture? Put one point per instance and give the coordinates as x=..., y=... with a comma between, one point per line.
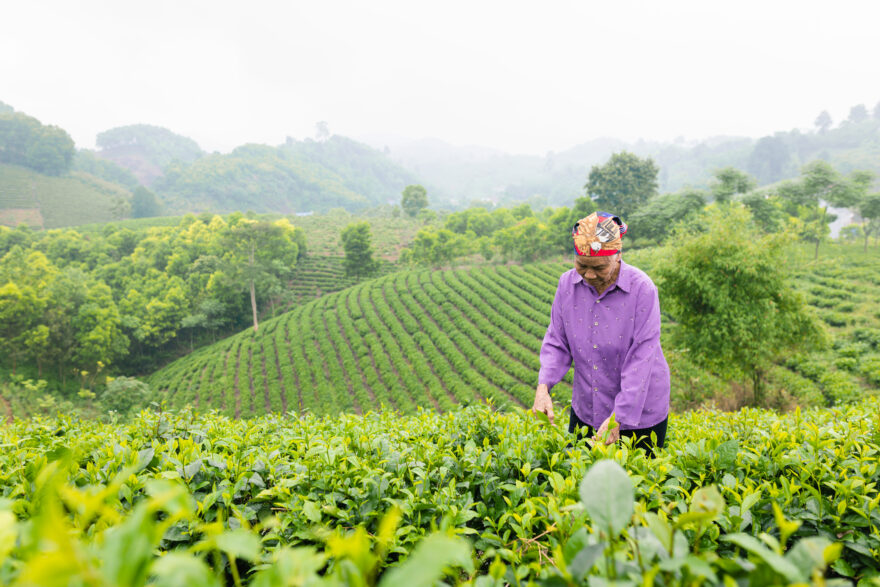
x=291, y=566
x=191, y=469
x=240, y=543
x=312, y=512
x=707, y=499
x=426, y=564
x=145, y=457
x=776, y=562
x=607, y=495
x=174, y=569
x=809, y=554
x=8, y=534
x=726, y=454
x=661, y=529
x=585, y=559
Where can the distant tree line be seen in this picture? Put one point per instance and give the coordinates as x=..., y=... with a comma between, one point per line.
x=627, y=185
x=25, y=141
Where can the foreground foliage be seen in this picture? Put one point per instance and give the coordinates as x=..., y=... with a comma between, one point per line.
x=481, y=496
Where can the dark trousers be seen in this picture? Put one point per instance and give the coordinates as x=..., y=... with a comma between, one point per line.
x=642, y=435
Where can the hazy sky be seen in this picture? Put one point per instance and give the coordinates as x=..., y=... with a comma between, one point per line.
x=521, y=76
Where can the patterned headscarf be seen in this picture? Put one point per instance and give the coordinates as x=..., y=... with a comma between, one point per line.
x=598, y=235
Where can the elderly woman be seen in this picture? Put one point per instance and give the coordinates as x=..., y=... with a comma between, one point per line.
x=606, y=318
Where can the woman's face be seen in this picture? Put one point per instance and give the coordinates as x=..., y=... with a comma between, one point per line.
x=597, y=271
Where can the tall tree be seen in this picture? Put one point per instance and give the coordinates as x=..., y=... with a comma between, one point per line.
x=623, y=184
x=259, y=254
x=414, y=198
x=656, y=218
x=823, y=186
x=730, y=181
x=823, y=122
x=858, y=113
x=725, y=283
x=869, y=209
x=358, y=247
x=877, y=111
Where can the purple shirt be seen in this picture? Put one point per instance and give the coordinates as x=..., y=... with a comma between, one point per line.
x=614, y=340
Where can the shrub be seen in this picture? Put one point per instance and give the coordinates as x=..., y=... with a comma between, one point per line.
x=839, y=387
x=125, y=393
x=870, y=368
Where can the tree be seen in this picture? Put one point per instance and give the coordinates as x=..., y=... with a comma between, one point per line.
x=527, y=240
x=877, y=111
x=726, y=285
x=656, y=218
x=258, y=254
x=822, y=186
x=415, y=197
x=622, y=184
x=434, y=247
x=869, y=209
x=144, y=203
x=766, y=210
x=858, y=113
x=823, y=122
x=357, y=243
x=730, y=181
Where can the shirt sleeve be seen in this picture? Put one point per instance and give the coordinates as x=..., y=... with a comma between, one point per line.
x=555, y=352
x=639, y=360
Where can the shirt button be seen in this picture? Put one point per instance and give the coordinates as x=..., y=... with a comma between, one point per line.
x=595, y=366
x=595, y=389
x=595, y=346
x=595, y=324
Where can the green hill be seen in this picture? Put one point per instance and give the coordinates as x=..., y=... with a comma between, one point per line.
x=437, y=339
x=296, y=177
x=44, y=201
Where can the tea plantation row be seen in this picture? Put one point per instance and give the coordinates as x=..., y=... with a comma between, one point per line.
x=439, y=339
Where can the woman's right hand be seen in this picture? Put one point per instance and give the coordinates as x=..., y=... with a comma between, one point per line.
x=543, y=402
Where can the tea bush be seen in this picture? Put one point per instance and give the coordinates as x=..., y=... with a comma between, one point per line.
x=475, y=495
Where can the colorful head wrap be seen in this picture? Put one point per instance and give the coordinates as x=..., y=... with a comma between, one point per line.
x=598, y=235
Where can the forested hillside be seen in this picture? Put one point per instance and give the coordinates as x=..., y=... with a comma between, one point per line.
x=146, y=150
x=297, y=177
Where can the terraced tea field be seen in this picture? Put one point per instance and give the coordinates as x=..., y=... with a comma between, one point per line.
x=78, y=198
x=318, y=275
x=438, y=339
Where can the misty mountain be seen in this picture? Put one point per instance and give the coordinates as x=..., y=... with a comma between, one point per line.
x=145, y=150
x=457, y=176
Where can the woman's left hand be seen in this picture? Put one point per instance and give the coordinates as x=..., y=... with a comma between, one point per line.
x=613, y=435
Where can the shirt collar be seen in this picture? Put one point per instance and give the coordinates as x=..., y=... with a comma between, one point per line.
x=624, y=278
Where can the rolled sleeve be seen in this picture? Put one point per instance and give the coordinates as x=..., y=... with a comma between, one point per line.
x=555, y=352
x=640, y=360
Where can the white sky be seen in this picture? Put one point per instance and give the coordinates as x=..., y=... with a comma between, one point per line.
x=520, y=76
